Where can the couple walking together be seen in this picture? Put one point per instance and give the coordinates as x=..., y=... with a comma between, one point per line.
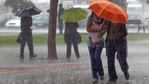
x=116, y=44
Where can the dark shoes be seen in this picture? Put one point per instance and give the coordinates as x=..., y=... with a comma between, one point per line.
x=21, y=57
x=32, y=56
x=95, y=81
x=78, y=58
x=101, y=77
x=127, y=75
x=111, y=81
x=68, y=59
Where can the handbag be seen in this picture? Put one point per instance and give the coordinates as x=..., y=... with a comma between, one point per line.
x=20, y=38
x=79, y=39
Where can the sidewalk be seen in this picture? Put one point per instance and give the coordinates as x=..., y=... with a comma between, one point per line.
x=9, y=63
x=10, y=55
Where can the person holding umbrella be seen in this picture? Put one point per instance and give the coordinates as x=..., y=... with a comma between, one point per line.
x=72, y=37
x=60, y=22
x=116, y=45
x=95, y=46
x=26, y=31
x=116, y=40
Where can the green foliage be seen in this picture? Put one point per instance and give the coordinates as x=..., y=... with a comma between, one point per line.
x=138, y=36
x=10, y=40
x=17, y=5
x=7, y=40
x=73, y=15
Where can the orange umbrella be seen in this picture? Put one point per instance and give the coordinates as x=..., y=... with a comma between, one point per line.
x=108, y=11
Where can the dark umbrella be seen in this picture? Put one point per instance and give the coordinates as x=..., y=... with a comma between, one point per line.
x=30, y=11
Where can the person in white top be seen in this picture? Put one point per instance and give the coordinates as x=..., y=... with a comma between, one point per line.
x=95, y=46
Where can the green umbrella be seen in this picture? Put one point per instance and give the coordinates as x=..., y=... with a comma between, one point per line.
x=73, y=15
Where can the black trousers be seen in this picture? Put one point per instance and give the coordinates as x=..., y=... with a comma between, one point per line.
x=27, y=39
x=75, y=45
x=120, y=47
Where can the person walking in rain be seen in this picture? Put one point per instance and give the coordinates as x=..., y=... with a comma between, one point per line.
x=26, y=34
x=142, y=25
x=95, y=46
x=116, y=45
x=72, y=37
x=60, y=22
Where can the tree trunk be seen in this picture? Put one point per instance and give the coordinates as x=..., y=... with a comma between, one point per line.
x=52, y=54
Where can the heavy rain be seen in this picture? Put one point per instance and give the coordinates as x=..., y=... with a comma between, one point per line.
x=37, y=48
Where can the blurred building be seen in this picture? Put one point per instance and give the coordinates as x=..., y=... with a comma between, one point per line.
x=134, y=7
x=71, y=3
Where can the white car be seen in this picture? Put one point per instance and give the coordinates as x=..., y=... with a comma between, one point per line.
x=40, y=20
x=13, y=23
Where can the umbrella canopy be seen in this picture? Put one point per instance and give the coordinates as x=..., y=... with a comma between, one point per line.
x=28, y=12
x=73, y=15
x=108, y=11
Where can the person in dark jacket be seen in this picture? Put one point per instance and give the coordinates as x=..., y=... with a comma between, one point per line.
x=116, y=45
x=26, y=34
x=72, y=37
x=60, y=21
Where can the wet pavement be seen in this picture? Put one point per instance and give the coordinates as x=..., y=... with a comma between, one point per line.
x=44, y=71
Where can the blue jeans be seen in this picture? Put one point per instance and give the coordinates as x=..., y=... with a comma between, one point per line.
x=96, y=62
x=118, y=46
